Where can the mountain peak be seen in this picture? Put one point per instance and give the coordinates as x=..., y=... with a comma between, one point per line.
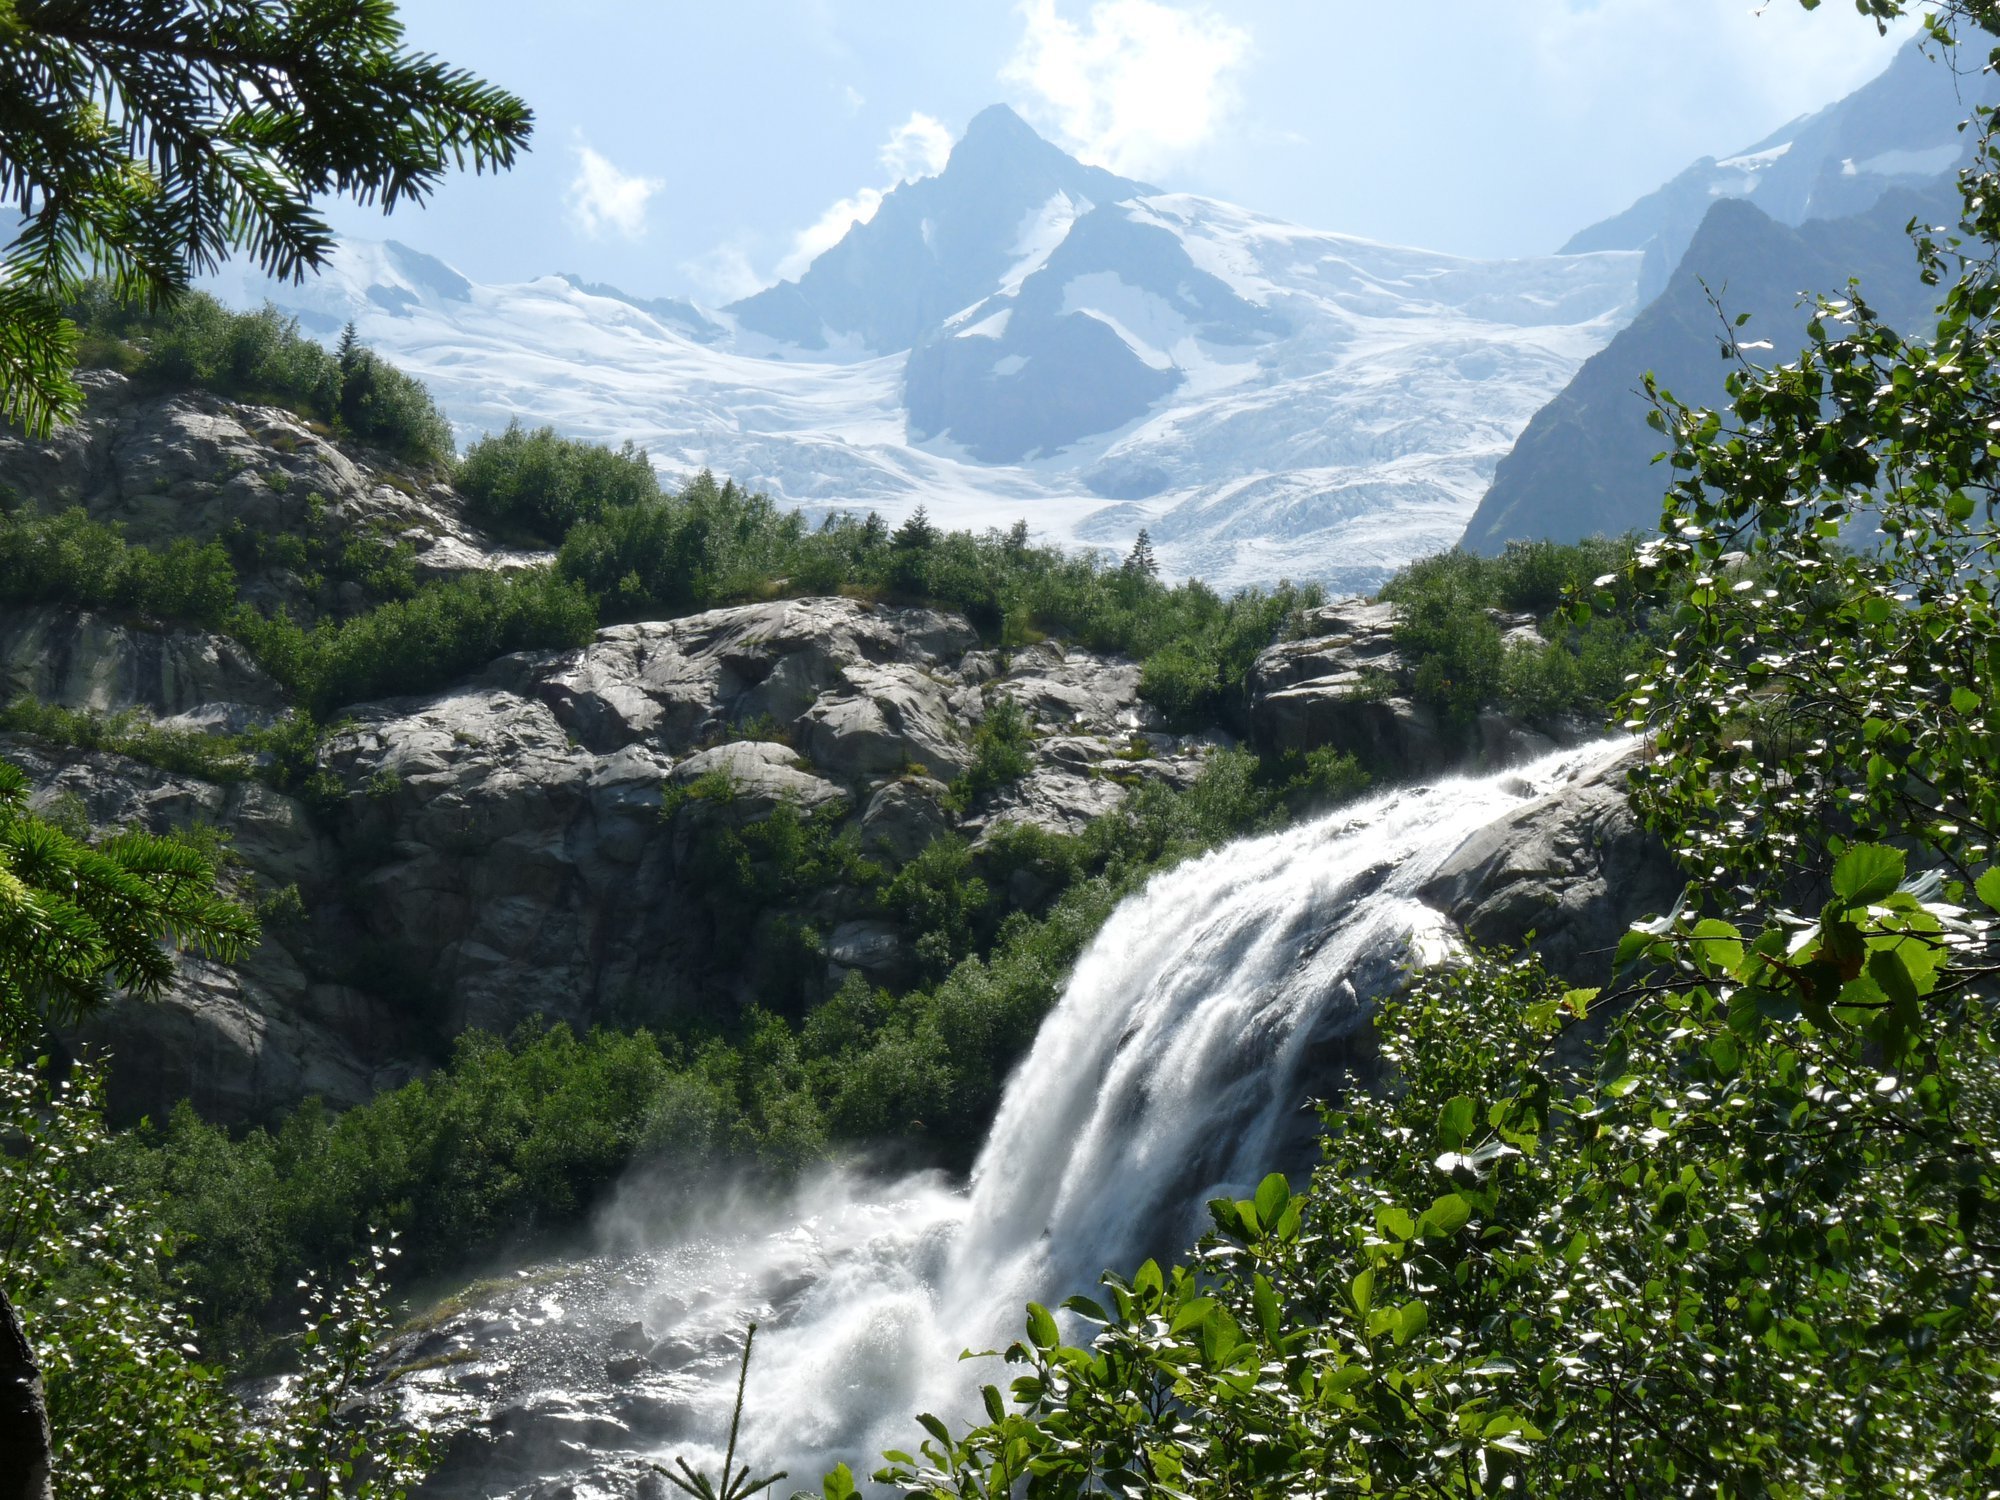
x=999, y=122
x=935, y=245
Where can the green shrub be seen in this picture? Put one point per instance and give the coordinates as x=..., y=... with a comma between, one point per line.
x=1458, y=661
x=257, y=356
x=546, y=485
x=706, y=545
x=939, y=898
x=382, y=406
x=429, y=640
x=1002, y=746
x=186, y=751
x=262, y=356
x=70, y=559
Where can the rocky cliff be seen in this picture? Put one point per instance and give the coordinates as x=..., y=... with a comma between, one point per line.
x=500, y=850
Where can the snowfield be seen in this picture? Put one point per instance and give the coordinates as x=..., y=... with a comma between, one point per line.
x=1272, y=402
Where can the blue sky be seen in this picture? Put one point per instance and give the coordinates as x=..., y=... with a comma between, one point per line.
x=704, y=148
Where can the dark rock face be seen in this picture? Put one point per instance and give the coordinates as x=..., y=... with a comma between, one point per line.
x=1565, y=875
x=497, y=851
x=1584, y=466
x=500, y=851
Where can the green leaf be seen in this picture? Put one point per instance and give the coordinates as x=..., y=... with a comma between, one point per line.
x=1264, y=1297
x=1987, y=888
x=1717, y=946
x=1411, y=1319
x=1456, y=1122
x=1192, y=1314
x=1725, y=1055
x=1445, y=1217
x=1041, y=1326
x=1866, y=873
x=1361, y=1292
x=1395, y=1223
x=1273, y=1193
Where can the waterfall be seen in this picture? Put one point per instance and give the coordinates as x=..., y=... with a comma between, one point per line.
x=1175, y=1067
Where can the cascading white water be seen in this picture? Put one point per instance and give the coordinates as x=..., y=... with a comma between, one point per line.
x=1174, y=1068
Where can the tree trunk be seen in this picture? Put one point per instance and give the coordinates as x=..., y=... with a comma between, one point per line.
x=24, y=1416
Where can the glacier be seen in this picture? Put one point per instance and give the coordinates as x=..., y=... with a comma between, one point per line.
x=1268, y=401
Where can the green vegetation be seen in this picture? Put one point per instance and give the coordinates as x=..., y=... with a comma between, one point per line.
x=430, y=637
x=443, y=631
x=70, y=559
x=513, y=1139
x=544, y=485
x=1739, y=1241
x=714, y=543
x=120, y=1406
x=1002, y=747
x=1463, y=663
x=194, y=341
x=132, y=1412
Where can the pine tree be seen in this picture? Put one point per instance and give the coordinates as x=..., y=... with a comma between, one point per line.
x=1140, y=560
x=916, y=533
x=145, y=140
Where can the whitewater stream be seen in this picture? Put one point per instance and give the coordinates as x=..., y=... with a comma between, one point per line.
x=1214, y=1005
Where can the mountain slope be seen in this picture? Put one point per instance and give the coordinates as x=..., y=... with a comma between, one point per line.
x=1901, y=129
x=1584, y=464
x=1061, y=344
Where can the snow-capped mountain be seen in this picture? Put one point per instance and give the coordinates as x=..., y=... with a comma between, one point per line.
x=1900, y=129
x=1024, y=336
x=1823, y=200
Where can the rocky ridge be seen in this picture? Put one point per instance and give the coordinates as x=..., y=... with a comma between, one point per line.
x=497, y=852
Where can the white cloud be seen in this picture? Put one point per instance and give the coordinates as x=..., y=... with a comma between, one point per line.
x=855, y=99
x=603, y=199
x=725, y=273
x=828, y=230
x=1136, y=84
x=916, y=148
x=919, y=147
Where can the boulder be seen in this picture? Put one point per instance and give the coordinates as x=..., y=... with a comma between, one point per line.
x=1390, y=732
x=904, y=816
x=1574, y=869
x=1073, y=689
x=681, y=681
x=1053, y=799
x=889, y=720
x=877, y=949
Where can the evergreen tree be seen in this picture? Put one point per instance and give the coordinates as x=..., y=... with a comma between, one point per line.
x=916, y=533
x=146, y=140
x=1140, y=559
